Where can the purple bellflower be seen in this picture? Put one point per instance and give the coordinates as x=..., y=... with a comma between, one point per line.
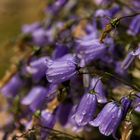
x=39, y=37
x=28, y=29
x=130, y=58
x=108, y=119
x=86, y=109
x=48, y=120
x=35, y=98
x=90, y=50
x=61, y=69
x=12, y=88
x=126, y=104
x=97, y=86
x=136, y=103
x=134, y=28
x=56, y=6
x=37, y=68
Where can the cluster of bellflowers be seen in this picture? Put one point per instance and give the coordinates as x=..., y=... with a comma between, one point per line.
x=79, y=73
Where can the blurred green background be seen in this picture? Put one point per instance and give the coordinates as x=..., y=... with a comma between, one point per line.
x=14, y=14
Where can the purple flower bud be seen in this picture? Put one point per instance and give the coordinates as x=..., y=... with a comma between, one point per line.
x=134, y=28
x=61, y=69
x=85, y=109
x=97, y=86
x=56, y=7
x=35, y=98
x=37, y=68
x=90, y=50
x=130, y=58
x=28, y=29
x=108, y=119
x=126, y=104
x=128, y=61
x=12, y=88
x=119, y=70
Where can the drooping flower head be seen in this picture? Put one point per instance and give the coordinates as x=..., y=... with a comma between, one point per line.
x=61, y=69
x=90, y=50
x=130, y=58
x=126, y=104
x=37, y=68
x=12, y=88
x=35, y=98
x=108, y=119
x=86, y=109
x=134, y=28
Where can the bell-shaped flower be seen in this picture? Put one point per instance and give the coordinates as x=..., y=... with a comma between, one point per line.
x=86, y=109
x=130, y=58
x=134, y=28
x=35, y=98
x=61, y=69
x=126, y=104
x=97, y=85
x=37, y=68
x=108, y=119
x=28, y=29
x=56, y=7
x=90, y=50
x=48, y=120
x=12, y=88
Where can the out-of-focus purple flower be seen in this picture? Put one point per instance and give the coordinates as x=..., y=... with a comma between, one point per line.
x=114, y=10
x=63, y=112
x=103, y=2
x=130, y=58
x=136, y=103
x=39, y=37
x=28, y=29
x=37, y=68
x=12, y=88
x=52, y=90
x=61, y=69
x=128, y=61
x=134, y=28
x=35, y=98
x=59, y=51
x=56, y=7
x=48, y=120
x=135, y=4
x=100, y=16
x=86, y=109
x=126, y=104
x=97, y=85
x=119, y=70
x=108, y=119
x=90, y=50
